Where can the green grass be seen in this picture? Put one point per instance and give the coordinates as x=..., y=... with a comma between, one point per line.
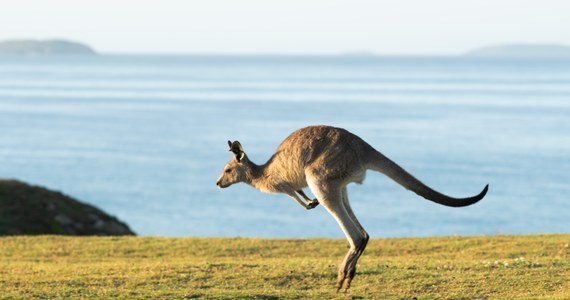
x=496, y=267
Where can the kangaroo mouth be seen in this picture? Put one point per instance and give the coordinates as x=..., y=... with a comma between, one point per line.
x=221, y=185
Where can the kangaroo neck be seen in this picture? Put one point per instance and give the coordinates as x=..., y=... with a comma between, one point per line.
x=254, y=174
x=258, y=177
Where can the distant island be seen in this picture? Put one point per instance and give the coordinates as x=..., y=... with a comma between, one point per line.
x=45, y=47
x=361, y=53
x=522, y=51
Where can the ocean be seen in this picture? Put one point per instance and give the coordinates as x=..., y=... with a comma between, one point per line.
x=145, y=137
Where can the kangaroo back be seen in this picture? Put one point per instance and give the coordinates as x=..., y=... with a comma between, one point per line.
x=384, y=165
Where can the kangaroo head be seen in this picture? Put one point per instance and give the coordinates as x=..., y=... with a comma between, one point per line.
x=236, y=170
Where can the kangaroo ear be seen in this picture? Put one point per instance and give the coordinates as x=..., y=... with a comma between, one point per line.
x=236, y=148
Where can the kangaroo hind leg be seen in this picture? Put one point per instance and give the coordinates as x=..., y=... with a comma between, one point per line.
x=351, y=268
x=331, y=197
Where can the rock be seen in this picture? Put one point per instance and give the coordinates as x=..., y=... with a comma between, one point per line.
x=26, y=209
x=63, y=219
x=47, y=47
x=526, y=51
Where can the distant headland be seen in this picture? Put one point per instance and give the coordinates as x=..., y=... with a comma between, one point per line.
x=30, y=210
x=44, y=47
x=522, y=51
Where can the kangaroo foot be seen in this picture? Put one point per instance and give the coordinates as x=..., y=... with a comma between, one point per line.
x=347, y=271
x=343, y=283
x=340, y=279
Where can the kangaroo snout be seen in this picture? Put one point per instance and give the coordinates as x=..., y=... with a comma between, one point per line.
x=220, y=185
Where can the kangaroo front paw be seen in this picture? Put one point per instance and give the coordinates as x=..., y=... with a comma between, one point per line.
x=312, y=204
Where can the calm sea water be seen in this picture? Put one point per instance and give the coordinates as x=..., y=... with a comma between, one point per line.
x=144, y=138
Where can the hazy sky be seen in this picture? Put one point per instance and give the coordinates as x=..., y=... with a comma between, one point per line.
x=289, y=26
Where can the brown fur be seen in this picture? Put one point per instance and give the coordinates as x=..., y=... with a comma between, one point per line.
x=326, y=159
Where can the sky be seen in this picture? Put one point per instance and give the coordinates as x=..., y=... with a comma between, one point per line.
x=406, y=27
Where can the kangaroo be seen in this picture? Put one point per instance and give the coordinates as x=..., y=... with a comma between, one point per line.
x=327, y=159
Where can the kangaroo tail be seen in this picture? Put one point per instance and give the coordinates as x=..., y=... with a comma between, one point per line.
x=389, y=168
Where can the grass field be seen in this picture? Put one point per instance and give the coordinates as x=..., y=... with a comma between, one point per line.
x=496, y=267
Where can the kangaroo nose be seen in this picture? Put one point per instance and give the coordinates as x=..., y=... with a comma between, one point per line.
x=218, y=182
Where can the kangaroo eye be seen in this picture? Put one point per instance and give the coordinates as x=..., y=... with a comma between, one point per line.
x=228, y=170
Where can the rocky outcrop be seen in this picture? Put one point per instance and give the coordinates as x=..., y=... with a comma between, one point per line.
x=522, y=51
x=29, y=210
x=48, y=47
